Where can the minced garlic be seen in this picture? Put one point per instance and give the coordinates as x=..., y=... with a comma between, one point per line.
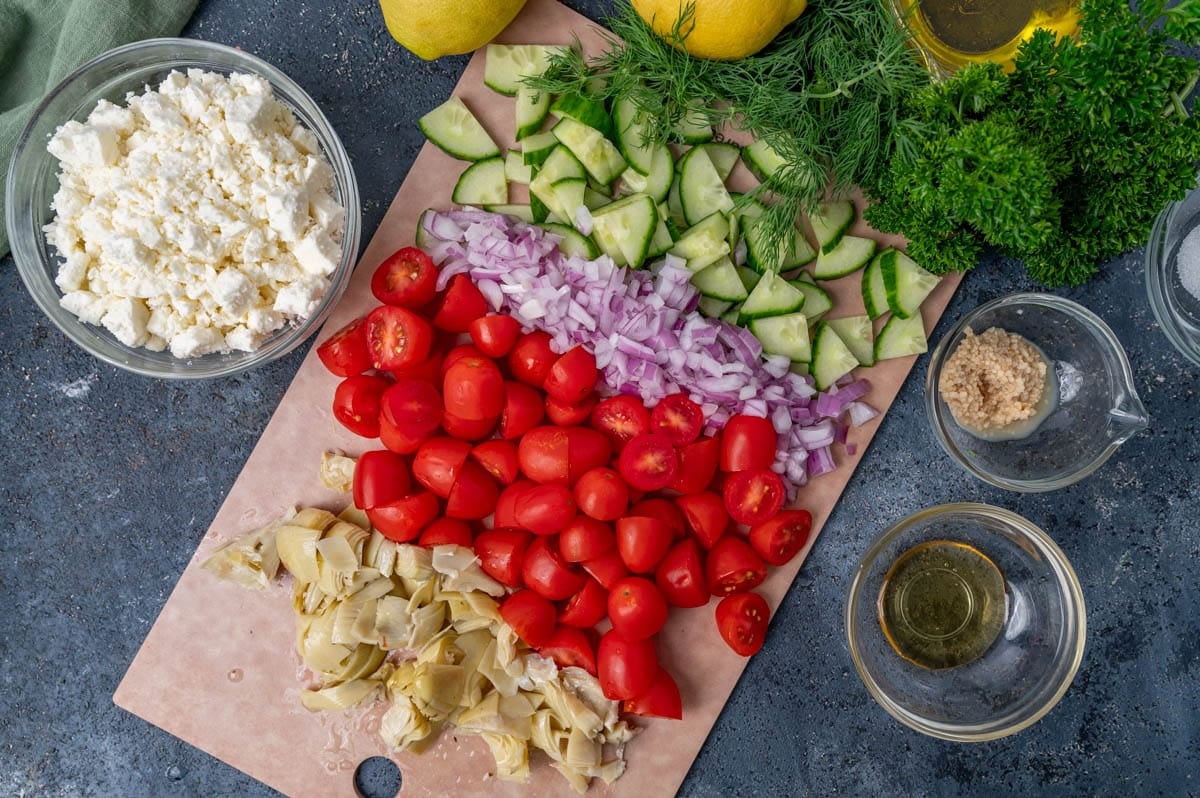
x=993, y=380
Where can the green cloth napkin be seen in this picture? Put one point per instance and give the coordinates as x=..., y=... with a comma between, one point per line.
x=43, y=41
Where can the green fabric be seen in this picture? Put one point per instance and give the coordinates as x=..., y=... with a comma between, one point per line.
x=43, y=41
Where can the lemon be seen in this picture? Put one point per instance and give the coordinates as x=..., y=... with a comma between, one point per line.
x=722, y=30
x=433, y=28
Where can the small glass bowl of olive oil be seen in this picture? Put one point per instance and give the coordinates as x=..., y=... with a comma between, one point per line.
x=966, y=622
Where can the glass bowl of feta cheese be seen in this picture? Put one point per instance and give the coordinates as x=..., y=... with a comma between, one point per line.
x=182, y=209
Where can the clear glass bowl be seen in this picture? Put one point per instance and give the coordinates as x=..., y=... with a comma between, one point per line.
x=1177, y=311
x=33, y=180
x=1025, y=671
x=1098, y=407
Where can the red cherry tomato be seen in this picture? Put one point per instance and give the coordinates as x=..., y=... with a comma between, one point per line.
x=733, y=567
x=543, y=453
x=779, y=539
x=356, y=402
x=677, y=417
x=602, y=494
x=587, y=607
x=648, y=462
x=573, y=375
x=467, y=429
x=498, y=458
x=680, y=575
x=460, y=305
x=545, y=572
x=438, y=462
x=567, y=415
x=706, y=516
x=626, y=668
x=501, y=553
x=742, y=621
x=664, y=510
x=522, y=411
x=403, y=519
x=545, y=509
x=396, y=439
x=495, y=334
x=460, y=353
x=345, y=352
x=747, y=442
x=413, y=406
x=607, y=568
x=380, y=477
x=474, y=390
x=407, y=279
x=446, y=531
x=642, y=541
x=474, y=494
x=585, y=538
x=570, y=648
x=660, y=701
x=586, y=449
x=531, y=358
x=752, y=497
x=636, y=608
x=397, y=338
x=531, y=616
x=698, y=463
x=506, y=504
x=621, y=419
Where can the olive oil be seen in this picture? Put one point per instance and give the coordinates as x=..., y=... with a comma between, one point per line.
x=942, y=604
x=953, y=33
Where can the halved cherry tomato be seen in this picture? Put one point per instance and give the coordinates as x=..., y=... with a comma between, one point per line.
x=531, y=358
x=677, y=417
x=621, y=419
x=545, y=571
x=356, y=402
x=587, y=607
x=586, y=449
x=474, y=390
x=706, y=516
x=345, y=352
x=602, y=494
x=460, y=353
x=397, y=337
x=636, y=608
x=585, y=538
x=742, y=621
x=779, y=539
x=467, y=429
x=506, y=504
x=531, y=616
x=698, y=463
x=747, y=442
x=664, y=510
x=522, y=411
x=680, y=575
x=648, y=462
x=499, y=458
x=495, y=334
x=626, y=668
x=438, y=462
x=754, y=496
x=474, y=494
x=733, y=567
x=573, y=375
x=460, y=305
x=413, y=406
x=446, y=531
x=543, y=453
x=407, y=279
x=501, y=553
x=642, y=541
x=569, y=648
x=660, y=701
x=545, y=509
x=607, y=568
x=397, y=440
x=380, y=477
x=565, y=414
x=403, y=519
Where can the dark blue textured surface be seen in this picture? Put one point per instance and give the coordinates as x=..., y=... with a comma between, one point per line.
x=109, y=481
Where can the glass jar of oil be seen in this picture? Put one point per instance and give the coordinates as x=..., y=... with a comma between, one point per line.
x=953, y=33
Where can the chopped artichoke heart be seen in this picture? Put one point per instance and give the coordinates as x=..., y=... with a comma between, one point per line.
x=547, y=735
x=473, y=578
x=345, y=616
x=490, y=667
x=420, y=594
x=442, y=651
x=511, y=755
x=578, y=781
x=582, y=750
x=251, y=560
x=355, y=535
x=413, y=562
x=358, y=518
x=451, y=560
x=340, y=696
x=572, y=712
x=437, y=688
x=364, y=625
x=506, y=655
x=374, y=589
x=426, y=622
x=486, y=716
x=402, y=725
x=337, y=471
x=393, y=624
x=380, y=553
x=297, y=546
x=314, y=518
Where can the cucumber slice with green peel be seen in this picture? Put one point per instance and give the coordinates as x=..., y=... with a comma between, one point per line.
x=804, y=277
x=538, y=208
x=724, y=156
x=599, y=156
x=831, y=358
x=692, y=128
x=702, y=192
x=625, y=228
x=873, y=290
x=421, y=236
x=733, y=315
x=901, y=337
x=515, y=168
x=456, y=131
x=482, y=183
x=662, y=241
x=803, y=369
x=506, y=65
x=713, y=308
x=594, y=199
x=720, y=280
x=522, y=212
x=773, y=296
x=674, y=205
x=785, y=335
x=792, y=255
x=762, y=160
x=530, y=111
x=906, y=283
x=749, y=277
x=559, y=164
x=568, y=196
x=656, y=183
x=850, y=255
x=704, y=242
x=573, y=242
x=631, y=136
x=802, y=253
x=536, y=149
x=830, y=223
x=817, y=301
x=586, y=111
x=858, y=336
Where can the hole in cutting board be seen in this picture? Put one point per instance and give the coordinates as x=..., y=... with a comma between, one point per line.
x=377, y=777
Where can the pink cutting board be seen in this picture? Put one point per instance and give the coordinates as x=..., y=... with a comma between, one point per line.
x=219, y=667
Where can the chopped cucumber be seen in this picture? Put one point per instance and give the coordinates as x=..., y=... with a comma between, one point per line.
x=594, y=199
x=761, y=160
x=624, y=229
x=830, y=223
x=573, y=242
x=850, y=255
x=790, y=256
x=532, y=108
x=453, y=128
x=831, y=358
x=507, y=64
x=733, y=315
x=803, y=369
x=656, y=183
x=906, y=283
x=674, y=206
x=705, y=242
x=631, y=136
x=538, y=208
x=599, y=156
x=515, y=168
x=858, y=336
x=720, y=280
x=662, y=241
x=873, y=291
x=817, y=301
x=901, y=337
x=804, y=277
x=482, y=183
x=421, y=236
x=568, y=196
x=702, y=192
x=522, y=212
x=559, y=165
x=784, y=335
x=536, y=149
x=749, y=277
x=724, y=156
x=773, y=296
x=585, y=111
x=693, y=128
x=713, y=308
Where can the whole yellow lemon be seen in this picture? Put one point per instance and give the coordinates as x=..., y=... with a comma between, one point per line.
x=722, y=30
x=433, y=28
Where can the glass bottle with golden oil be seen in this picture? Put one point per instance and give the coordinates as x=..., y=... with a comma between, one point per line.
x=953, y=33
